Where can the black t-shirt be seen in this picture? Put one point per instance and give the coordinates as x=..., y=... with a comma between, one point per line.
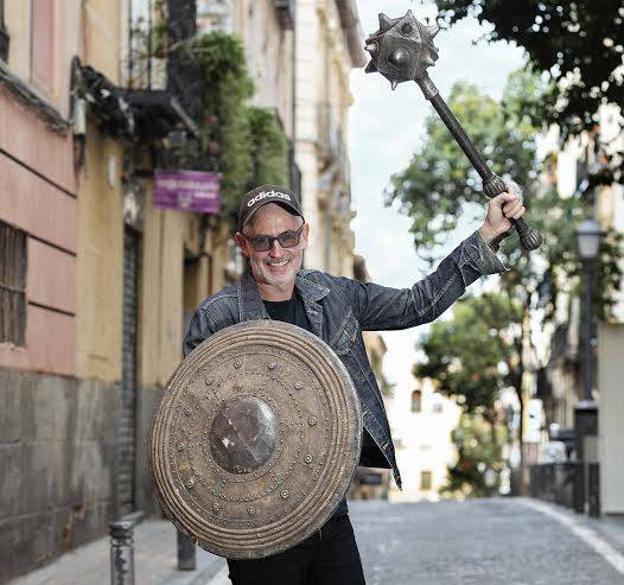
x=293, y=311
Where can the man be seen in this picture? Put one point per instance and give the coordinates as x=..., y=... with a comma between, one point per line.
x=272, y=234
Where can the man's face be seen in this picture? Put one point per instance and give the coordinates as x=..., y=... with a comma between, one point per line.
x=277, y=266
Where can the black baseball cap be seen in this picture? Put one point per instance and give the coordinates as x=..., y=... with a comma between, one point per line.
x=256, y=198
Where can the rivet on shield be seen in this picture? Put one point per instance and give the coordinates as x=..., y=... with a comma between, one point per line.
x=308, y=458
x=312, y=420
x=216, y=506
x=238, y=364
x=251, y=510
x=209, y=381
x=272, y=365
x=190, y=483
x=188, y=412
x=298, y=385
x=284, y=494
x=180, y=446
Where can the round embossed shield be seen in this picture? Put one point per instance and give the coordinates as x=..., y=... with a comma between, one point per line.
x=256, y=439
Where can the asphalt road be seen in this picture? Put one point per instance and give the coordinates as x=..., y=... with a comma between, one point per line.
x=493, y=542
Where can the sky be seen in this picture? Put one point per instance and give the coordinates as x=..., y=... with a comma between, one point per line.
x=386, y=127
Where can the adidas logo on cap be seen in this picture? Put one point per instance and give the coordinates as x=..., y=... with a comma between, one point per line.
x=264, y=194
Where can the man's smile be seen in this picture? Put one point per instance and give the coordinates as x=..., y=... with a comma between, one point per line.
x=278, y=263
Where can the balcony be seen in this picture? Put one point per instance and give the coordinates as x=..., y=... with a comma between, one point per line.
x=156, y=113
x=141, y=115
x=105, y=100
x=162, y=91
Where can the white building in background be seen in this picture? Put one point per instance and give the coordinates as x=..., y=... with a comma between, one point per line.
x=422, y=421
x=299, y=54
x=328, y=45
x=610, y=212
x=562, y=387
x=265, y=28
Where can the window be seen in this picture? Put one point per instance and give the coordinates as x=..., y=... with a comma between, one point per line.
x=4, y=35
x=416, y=401
x=12, y=285
x=425, y=481
x=438, y=408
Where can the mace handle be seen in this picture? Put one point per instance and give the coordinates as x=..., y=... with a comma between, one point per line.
x=530, y=238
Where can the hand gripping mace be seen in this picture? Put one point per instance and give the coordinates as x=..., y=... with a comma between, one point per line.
x=401, y=50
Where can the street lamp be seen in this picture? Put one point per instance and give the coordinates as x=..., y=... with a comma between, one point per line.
x=586, y=412
x=588, y=235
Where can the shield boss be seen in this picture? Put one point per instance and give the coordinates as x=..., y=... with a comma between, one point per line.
x=256, y=439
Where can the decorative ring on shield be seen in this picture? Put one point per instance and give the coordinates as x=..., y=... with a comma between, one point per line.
x=256, y=439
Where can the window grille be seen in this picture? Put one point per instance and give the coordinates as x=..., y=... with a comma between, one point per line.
x=13, y=265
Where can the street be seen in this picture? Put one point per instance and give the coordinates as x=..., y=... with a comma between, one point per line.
x=482, y=541
x=496, y=541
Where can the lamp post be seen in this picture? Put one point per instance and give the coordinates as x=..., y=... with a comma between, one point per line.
x=586, y=410
x=588, y=235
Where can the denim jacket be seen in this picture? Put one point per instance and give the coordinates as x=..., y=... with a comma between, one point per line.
x=339, y=309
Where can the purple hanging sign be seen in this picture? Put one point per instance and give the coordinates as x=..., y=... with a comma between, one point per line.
x=187, y=191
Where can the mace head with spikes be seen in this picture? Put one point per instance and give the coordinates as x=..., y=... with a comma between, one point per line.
x=402, y=48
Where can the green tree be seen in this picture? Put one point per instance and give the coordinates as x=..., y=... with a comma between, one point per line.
x=474, y=356
x=576, y=49
x=476, y=353
x=476, y=473
x=225, y=89
x=577, y=45
x=439, y=186
x=245, y=143
x=269, y=148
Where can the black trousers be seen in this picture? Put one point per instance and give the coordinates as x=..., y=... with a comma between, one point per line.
x=329, y=557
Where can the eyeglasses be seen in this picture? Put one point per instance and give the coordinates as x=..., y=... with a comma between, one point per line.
x=265, y=243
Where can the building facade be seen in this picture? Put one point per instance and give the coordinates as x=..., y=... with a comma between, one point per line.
x=328, y=45
x=98, y=282
x=40, y=396
x=560, y=383
x=422, y=422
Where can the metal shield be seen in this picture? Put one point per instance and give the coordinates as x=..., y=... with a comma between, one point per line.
x=256, y=439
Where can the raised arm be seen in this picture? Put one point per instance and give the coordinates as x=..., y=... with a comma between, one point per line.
x=380, y=308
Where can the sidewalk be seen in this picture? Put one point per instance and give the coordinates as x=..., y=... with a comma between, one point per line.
x=611, y=528
x=155, y=562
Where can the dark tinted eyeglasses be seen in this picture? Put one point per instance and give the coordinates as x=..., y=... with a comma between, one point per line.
x=285, y=239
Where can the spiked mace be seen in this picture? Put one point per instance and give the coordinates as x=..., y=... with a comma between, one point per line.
x=402, y=50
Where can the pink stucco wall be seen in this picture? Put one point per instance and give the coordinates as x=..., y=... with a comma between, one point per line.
x=50, y=344
x=51, y=277
x=26, y=137
x=37, y=195
x=30, y=203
